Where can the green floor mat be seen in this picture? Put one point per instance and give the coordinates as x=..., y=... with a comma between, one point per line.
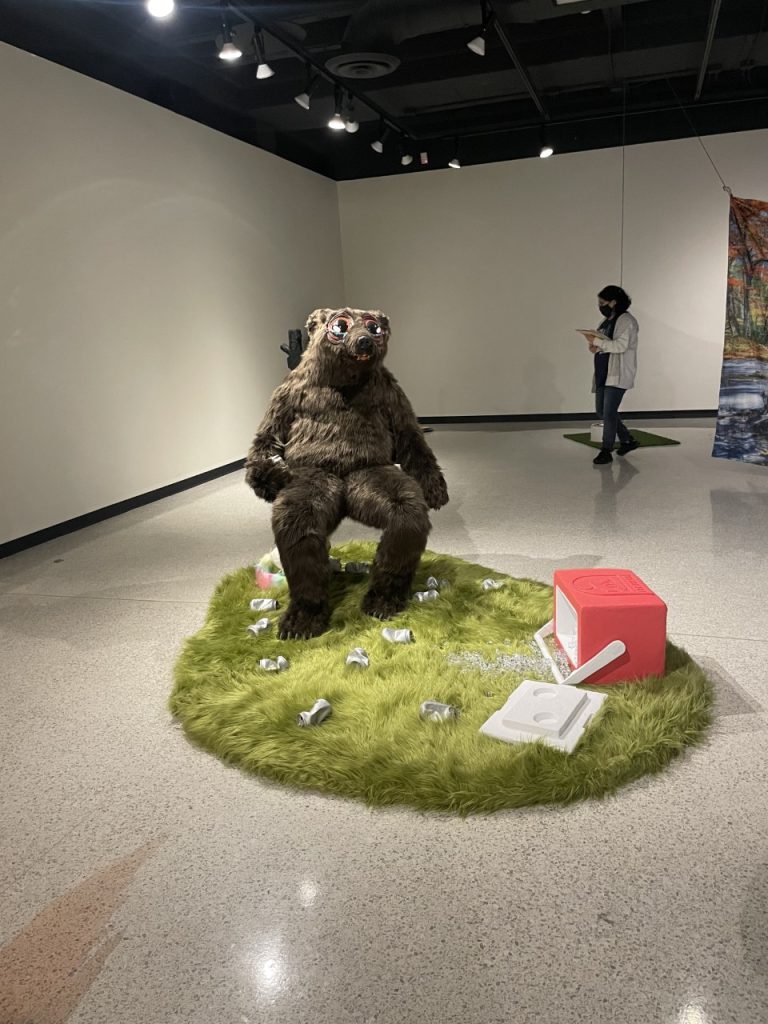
x=643, y=438
x=471, y=648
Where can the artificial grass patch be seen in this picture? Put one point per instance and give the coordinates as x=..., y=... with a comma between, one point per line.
x=643, y=437
x=375, y=746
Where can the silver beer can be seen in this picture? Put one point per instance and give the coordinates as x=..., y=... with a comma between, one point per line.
x=270, y=665
x=358, y=568
x=426, y=595
x=317, y=714
x=259, y=627
x=493, y=584
x=264, y=604
x=358, y=657
x=397, y=636
x=434, y=711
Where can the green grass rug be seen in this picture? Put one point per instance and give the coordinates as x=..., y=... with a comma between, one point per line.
x=375, y=746
x=643, y=438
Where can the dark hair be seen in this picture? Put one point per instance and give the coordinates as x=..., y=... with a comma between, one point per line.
x=611, y=292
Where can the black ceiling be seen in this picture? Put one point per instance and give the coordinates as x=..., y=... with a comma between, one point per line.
x=674, y=66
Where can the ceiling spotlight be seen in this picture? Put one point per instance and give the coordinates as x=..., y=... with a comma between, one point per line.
x=160, y=8
x=304, y=98
x=378, y=144
x=477, y=45
x=229, y=51
x=337, y=122
x=263, y=70
x=350, y=124
x=406, y=159
x=455, y=163
x=546, y=152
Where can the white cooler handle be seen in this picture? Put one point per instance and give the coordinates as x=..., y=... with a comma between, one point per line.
x=609, y=653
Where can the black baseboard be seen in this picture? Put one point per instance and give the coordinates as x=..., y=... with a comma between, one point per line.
x=560, y=417
x=12, y=547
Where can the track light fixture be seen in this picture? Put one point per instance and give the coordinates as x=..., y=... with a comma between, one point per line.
x=406, y=158
x=350, y=124
x=546, y=148
x=160, y=8
x=263, y=70
x=477, y=45
x=454, y=162
x=378, y=144
x=228, y=51
x=305, y=98
x=337, y=122
x=546, y=152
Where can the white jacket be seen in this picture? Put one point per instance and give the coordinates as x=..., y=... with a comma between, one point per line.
x=622, y=365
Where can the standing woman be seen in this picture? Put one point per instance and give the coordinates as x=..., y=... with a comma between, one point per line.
x=614, y=345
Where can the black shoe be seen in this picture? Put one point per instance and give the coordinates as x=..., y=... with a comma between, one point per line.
x=603, y=457
x=625, y=449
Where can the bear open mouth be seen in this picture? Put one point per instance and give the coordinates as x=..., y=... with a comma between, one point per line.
x=363, y=357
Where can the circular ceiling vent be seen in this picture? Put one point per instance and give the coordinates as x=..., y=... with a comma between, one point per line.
x=362, y=65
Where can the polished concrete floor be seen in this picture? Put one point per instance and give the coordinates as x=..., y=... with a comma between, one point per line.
x=143, y=881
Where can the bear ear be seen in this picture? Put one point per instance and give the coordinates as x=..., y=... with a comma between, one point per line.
x=316, y=319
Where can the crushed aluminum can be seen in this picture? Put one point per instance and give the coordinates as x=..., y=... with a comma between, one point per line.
x=433, y=583
x=434, y=711
x=397, y=636
x=274, y=666
x=317, y=714
x=358, y=568
x=334, y=565
x=426, y=595
x=358, y=657
x=264, y=604
x=493, y=584
x=259, y=627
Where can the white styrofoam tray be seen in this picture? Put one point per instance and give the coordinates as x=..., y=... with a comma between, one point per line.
x=555, y=714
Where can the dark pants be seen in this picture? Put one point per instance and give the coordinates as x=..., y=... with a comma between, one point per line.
x=607, y=402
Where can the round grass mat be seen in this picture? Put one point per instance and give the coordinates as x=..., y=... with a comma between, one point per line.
x=471, y=648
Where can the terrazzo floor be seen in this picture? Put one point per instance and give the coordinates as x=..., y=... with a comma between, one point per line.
x=143, y=881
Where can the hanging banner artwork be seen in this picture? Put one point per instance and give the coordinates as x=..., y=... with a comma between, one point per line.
x=742, y=419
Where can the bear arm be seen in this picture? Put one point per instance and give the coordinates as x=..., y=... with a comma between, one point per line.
x=412, y=452
x=265, y=472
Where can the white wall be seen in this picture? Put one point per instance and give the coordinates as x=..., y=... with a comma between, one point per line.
x=486, y=271
x=149, y=269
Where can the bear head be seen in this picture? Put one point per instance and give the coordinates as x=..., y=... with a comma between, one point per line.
x=346, y=344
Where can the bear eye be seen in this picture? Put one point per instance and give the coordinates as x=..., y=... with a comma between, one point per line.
x=338, y=329
x=373, y=327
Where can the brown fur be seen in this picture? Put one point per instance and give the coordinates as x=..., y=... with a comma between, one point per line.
x=339, y=421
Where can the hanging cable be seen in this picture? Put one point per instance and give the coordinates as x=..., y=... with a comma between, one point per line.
x=623, y=175
x=726, y=188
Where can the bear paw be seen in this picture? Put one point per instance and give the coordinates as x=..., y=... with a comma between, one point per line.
x=302, y=622
x=384, y=604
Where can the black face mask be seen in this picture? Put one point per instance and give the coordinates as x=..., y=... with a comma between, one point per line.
x=605, y=309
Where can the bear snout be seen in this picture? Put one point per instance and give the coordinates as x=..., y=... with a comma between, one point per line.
x=364, y=345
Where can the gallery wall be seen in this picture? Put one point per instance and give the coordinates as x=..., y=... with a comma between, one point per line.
x=149, y=269
x=487, y=270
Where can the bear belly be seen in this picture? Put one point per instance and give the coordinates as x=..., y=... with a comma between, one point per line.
x=348, y=443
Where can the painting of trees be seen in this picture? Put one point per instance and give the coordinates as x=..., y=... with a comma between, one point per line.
x=747, y=303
